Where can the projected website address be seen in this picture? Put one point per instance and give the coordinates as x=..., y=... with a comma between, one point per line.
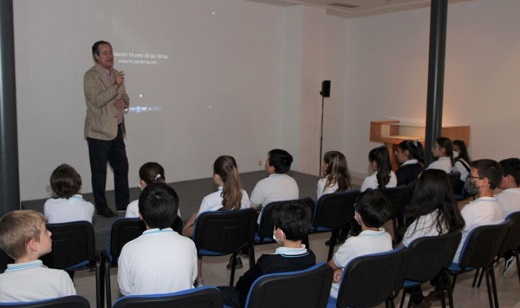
x=140, y=58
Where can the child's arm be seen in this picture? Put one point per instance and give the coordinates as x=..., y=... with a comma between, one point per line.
x=190, y=224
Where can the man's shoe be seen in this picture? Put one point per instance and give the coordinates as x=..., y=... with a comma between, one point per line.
x=238, y=264
x=108, y=213
x=509, y=267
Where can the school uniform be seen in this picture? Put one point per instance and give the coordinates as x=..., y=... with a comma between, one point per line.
x=443, y=163
x=408, y=172
x=75, y=208
x=371, y=182
x=32, y=281
x=425, y=225
x=509, y=200
x=321, y=190
x=213, y=201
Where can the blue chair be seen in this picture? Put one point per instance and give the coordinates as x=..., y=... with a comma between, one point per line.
x=75, y=301
x=203, y=297
x=305, y=288
x=122, y=231
x=427, y=261
x=333, y=212
x=370, y=280
x=219, y=233
x=480, y=249
x=74, y=248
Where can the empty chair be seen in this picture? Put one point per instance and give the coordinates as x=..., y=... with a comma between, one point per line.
x=370, y=280
x=203, y=297
x=221, y=233
x=75, y=301
x=480, y=249
x=333, y=212
x=122, y=231
x=427, y=261
x=305, y=288
x=74, y=248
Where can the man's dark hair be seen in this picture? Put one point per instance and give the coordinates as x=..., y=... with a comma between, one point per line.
x=293, y=219
x=95, y=48
x=281, y=160
x=374, y=208
x=158, y=205
x=511, y=166
x=490, y=169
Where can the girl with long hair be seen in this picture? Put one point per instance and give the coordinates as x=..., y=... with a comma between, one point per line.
x=336, y=176
x=410, y=156
x=383, y=176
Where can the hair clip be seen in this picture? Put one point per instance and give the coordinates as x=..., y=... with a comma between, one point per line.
x=157, y=177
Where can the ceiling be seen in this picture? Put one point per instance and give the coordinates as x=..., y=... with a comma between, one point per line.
x=357, y=8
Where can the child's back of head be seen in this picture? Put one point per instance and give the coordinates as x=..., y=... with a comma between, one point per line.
x=65, y=181
x=17, y=228
x=281, y=160
x=158, y=205
x=374, y=208
x=511, y=166
x=293, y=219
x=152, y=172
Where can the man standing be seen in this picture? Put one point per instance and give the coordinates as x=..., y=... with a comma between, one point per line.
x=106, y=100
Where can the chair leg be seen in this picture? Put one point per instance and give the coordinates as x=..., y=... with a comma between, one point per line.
x=446, y=281
x=233, y=263
x=488, y=285
x=477, y=272
x=251, y=255
x=402, y=299
x=517, y=264
x=494, y=285
x=100, y=286
x=107, y=284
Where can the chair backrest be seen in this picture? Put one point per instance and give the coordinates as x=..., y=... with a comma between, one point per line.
x=397, y=197
x=123, y=230
x=333, y=211
x=73, y=245
x=483, y=244
x=224, y=232
x=265, y=228
x=455, y=182
x=4, y=260
x=75, y=301
x=203, y=297
x=427, y=258
x=305, y=288
x=371, y=279
x=512, y=241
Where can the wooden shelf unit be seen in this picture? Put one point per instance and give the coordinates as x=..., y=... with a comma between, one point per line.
x=393, y=132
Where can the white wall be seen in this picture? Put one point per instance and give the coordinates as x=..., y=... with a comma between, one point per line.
x=219, y=90
x=387, y=59
x=260, y=69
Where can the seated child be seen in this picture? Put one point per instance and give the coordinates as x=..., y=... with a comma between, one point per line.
x=149, y=173
x=160, y=260
x=509, y=200
x=278, y=186
x=442, y=151
x=336, y=176
x=383, y=176
x=291, y=226
x=484, y=177
x=68, y=205
x=372, y=211
x=24, y=237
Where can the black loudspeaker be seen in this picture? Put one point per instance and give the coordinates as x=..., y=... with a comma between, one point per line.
x=325, y=88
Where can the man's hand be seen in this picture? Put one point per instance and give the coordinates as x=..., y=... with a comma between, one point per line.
x=120, y=79
x=120, y=104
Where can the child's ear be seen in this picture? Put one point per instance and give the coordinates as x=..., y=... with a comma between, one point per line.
x=32, y=245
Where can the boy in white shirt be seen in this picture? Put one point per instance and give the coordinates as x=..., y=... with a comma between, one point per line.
x=372, y=211
x=160, y=260
x=509, y=200
x=278, y=186
x=25, y=238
